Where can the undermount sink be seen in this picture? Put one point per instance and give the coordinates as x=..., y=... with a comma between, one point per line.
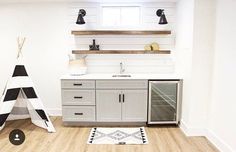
x=121, y=75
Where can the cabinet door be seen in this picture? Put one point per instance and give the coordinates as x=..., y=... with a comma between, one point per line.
x=134, y=106
x=108, y=105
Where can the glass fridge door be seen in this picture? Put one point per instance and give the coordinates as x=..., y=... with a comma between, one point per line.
x=163, y=101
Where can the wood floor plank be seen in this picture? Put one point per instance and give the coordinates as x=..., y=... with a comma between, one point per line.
x=74, y=139
x=203, y=144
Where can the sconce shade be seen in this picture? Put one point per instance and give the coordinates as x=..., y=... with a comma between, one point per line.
x=160, y=13
x=80, y=19
x=163, y=19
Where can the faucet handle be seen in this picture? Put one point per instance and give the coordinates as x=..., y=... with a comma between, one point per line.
x=123, y=70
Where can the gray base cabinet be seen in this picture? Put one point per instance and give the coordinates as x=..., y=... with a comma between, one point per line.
x=79, y=113
x=120, y=101
x=121, y=105
x=108, y=105
x=134, y=107
x=78, y=101
x=104, y=100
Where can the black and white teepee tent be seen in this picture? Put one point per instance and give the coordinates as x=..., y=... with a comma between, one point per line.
x=20, y=100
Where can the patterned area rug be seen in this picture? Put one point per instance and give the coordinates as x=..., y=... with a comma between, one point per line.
x=120, y=136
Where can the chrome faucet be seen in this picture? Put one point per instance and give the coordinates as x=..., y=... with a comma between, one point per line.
x=122, y=70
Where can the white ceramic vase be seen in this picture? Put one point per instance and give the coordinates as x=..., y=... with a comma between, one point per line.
x=77, y=67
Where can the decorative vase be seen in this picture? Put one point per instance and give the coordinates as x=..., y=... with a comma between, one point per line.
x=155, y=46
x=94, y=46
x=77, y=67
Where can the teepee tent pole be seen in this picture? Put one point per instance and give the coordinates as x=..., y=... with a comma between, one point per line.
x=20, y=43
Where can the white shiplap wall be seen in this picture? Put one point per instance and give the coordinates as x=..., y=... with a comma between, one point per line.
x=140, y=63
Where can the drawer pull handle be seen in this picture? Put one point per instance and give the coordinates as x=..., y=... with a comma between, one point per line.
x=123, y=98
x=119, y=97
x=77, y=84
x=78, y=97
x=78, y=114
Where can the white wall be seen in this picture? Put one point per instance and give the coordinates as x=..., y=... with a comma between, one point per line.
x=209, y=96
x=47, y=27
x=184, y=47
x=222, y=121
x=45, y=51
x=198, y=18
x=133, y=63
x=202, y=59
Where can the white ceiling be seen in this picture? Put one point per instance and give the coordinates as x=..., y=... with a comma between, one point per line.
x=111, y=1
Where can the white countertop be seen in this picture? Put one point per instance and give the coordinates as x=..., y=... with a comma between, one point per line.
x=133, y=76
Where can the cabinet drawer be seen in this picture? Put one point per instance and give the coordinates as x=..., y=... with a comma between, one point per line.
x=78, y=97
x=78, y=113
x=121, y=84
x=77, y=84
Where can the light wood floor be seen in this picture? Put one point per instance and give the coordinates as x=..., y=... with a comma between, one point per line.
x=73, y=139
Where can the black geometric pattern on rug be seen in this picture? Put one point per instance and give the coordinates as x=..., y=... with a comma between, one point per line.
x=118, y=135
x=143, y=135
x=99, y=134
x=92, y=135
x=137, y=135
x=96, y=135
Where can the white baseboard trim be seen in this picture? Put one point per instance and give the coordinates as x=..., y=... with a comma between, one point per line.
x=54, y=112
x=211, y=136
x=192, y=131
x=217, y=142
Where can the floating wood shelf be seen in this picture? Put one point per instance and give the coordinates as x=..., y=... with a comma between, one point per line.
x=120, y=32
x=120, y=52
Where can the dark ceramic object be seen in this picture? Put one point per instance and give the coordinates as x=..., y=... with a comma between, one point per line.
x=94, y=46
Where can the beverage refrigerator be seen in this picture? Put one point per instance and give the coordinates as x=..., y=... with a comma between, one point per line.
x=164, y=101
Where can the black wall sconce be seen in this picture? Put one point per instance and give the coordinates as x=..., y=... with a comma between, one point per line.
x=80, y=19
x=160, y=13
